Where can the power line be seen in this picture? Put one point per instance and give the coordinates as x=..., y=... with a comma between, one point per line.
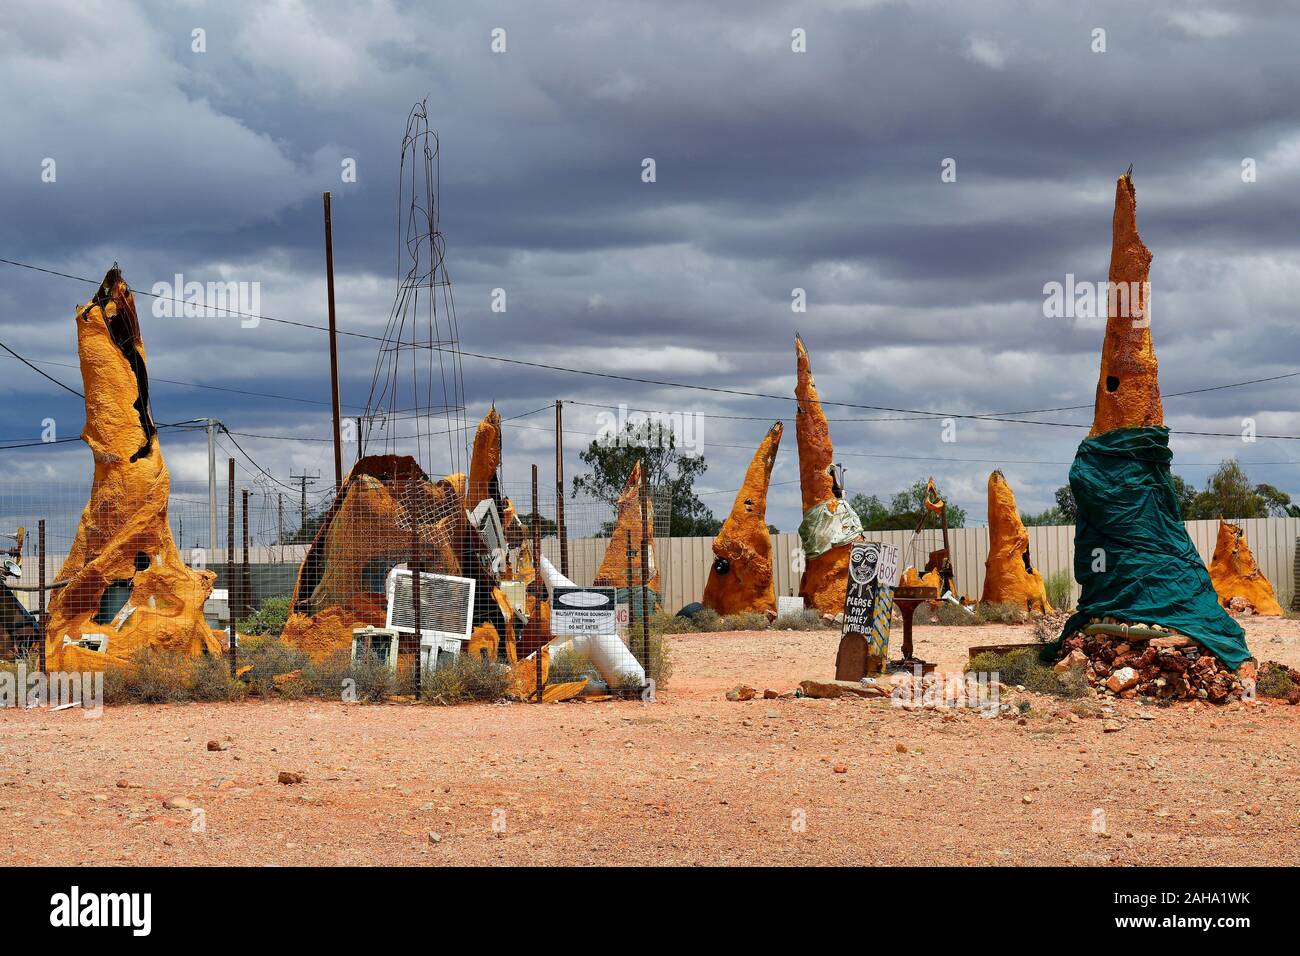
x=1002, y=417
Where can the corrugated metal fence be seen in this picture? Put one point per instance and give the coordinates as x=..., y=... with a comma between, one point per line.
x=684, y=562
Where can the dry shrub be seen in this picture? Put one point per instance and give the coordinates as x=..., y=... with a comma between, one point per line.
x=467, y=678
x=1024, y=668
x=269, y=656
x=751, y=621
x=151, y=676
x=212, y=683
x=804, y=620
x=1274, y=681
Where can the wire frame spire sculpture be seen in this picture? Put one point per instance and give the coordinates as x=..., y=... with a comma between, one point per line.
x=416, y=404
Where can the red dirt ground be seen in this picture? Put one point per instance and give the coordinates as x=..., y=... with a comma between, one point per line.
x=687, y=779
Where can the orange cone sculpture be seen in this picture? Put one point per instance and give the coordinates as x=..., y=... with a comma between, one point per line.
x=1009, y=577
x=740, y=580
x=1128, y=386
x=626, y=537
x=125, y=580
x=1236, y=575
x=829, y=524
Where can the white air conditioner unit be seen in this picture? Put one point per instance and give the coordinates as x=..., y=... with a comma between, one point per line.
x=438, y=653
x=382, y=643
x=446, y=606
x=487, y=523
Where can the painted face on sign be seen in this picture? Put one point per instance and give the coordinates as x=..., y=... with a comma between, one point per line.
x=862, y=564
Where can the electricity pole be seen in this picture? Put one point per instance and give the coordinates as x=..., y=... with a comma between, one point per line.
x=302, y=481
x=334, y=347
x=212, y=485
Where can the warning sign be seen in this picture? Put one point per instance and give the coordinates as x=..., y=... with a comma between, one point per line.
x=583, y=611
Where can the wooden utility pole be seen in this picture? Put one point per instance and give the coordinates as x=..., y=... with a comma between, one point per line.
x=302, y=481
x=645, y=572
x=213, y=539
x=230, y=561
x=245, y=573
x=417, y=607
x=334, y=348
x=40, y=582
x=560, y=530
x=537, y=576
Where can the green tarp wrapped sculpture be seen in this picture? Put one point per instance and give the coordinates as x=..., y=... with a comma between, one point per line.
x=1132, y=554
x=1133, y=558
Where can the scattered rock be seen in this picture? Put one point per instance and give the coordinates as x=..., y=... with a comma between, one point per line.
x=840, y=768
x=833, y=689
x=435, y=837
x=1254, y=810
x=289, y=777
x=901, y=748
x=1122, y=679
x=1111, y=726
x=178, y=803
x=1070, y=661
x=741, y=692
x=218, y=744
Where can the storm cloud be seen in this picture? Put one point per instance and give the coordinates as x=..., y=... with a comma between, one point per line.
x=775, y=170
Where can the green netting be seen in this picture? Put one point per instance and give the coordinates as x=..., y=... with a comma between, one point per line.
x=1129, y=528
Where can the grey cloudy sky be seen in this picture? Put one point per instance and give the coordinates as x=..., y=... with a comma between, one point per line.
x=775, y=170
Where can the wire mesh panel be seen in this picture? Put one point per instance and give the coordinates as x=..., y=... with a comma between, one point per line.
x=86, y=578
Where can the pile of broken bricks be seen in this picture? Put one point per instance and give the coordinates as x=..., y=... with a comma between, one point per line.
x=1171, y=668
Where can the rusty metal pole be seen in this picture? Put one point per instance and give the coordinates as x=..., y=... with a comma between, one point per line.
x=245, y=574
x=537, y=575
x=230, y=561
x=560, y=531
x=417, y=607
x=628, y=553
x=334, y=348
x=40, y=580
x=645, y=573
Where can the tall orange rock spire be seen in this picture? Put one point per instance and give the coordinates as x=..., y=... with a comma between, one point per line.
x=1009, y=576
x=1235, y=574
x=1128, y=388
x=485, y=459
x=123, y=580
x=740, y=580
x=828, y=523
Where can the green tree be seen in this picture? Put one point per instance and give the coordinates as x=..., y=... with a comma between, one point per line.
x=1186, y=495
x=1065, y=504
x=1229, y=494
x=612, y=459
x=1051, y=516
x=904, y=510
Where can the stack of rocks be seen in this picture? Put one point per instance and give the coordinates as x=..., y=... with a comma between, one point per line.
x=1166, y=668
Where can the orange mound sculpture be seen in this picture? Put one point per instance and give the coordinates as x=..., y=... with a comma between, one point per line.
x=125, y=580
x=825, y=575
x=740, y=580
x=613, y=566
x=1128, y=387
x=367, y=531
x=1009, y=576
x=1235, y=574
